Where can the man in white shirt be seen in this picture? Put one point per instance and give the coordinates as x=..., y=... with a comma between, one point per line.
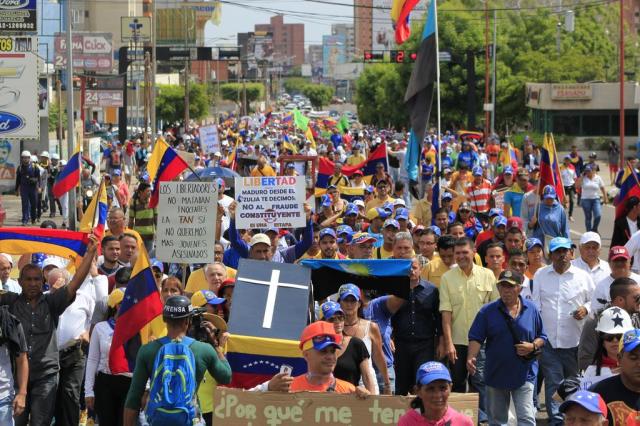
x=620, y=263
x=633, y=247
x=6, y=265
x=589, y=260
x=563, y=295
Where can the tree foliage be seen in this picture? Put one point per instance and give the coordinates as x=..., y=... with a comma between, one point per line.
x=526, y=52
x=318, y=94
x=294, y=85
x=54, y=111
x=233, y=92
x=170, y=102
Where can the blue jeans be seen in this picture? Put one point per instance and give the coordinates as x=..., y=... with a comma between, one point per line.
x=592, y=213
x=6, y=411
x=557, y=365
x=497, y=401
x=392, y=379
x=28, y=199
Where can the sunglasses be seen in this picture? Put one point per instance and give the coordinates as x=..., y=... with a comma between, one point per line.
x=611, y=337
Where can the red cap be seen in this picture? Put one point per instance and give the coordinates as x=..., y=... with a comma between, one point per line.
x=319, y=328
x=515, y=222
x=358, y=172
x=619, y=252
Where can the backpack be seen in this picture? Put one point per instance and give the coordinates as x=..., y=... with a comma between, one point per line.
x=173, y=384
x=115, y=158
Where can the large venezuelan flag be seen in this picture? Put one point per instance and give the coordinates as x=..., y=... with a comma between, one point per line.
x=70, y=245
x=255, y=360
x=69, y=177
x=549, y=167
x=95, y=217
x=140, y=306
x=164, y=165
x=400, y=11
x=629, y=187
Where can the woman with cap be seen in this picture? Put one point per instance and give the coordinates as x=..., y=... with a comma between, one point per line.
x=550, y=220
x=353, y=357
x=612, y=324
x=592, y=186
x=431, y=404
x=472, y=226
x=535, y=257
x=105, y=392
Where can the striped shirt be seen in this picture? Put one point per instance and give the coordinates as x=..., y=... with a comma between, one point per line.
x=142, y=218
x=479, y=196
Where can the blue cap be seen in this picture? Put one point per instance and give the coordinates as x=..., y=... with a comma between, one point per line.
x=348, y=290
x=432, y=371
x=549, y=192
x=435, y=230
x=508, y=170
x=326, y=200
x=477, y=171
x=155, y=263
x=496, y=212
x=499, y=221
x=391, y=222
x=291, y=166
x=369, y=189
x=447, y=196
x=272, y=229
x=322, y=342
x=590, y=401
x=329, y=309
x=351, y=209
x=388, y=206
x=402, y=213
x=630, y=340
x=328, y=231
x=560, y=242
x=116, y=172
x=532, y=242
x=344, y=229
x=211, y=298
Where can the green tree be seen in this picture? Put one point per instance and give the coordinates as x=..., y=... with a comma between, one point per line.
x=233, y=92
x=318, y=94
x=294, y=85
x=170, y=102
x=380, y=96
x=54, y=112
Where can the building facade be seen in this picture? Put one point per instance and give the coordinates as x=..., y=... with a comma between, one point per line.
x=288, y=41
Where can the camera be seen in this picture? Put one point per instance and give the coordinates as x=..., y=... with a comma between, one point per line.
x=198, y=331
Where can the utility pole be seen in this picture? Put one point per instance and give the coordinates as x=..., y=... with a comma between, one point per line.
x=153, y=70
x=495, y=71
x=186, y=96
x=70, y=116
x=148, y=88
x=486, y=72
x=621, y=81
x=60, y=110
x=245, y=108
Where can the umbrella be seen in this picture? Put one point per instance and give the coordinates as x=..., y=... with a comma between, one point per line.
x=211, y=173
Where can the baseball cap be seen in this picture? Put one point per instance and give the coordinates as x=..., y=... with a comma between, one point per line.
x=590, y=401
x=155, y=263
x=391, y=222
x=115, y=297
x=432, y=371
x=358, y=203
x=436, y=230
x=358, y=173
x=499, y=221
x=618, y=252
x=25, y=154
x=369, y=189
x=351, y=209
x=560, y=242
x=206, y=297
x=508, y=170
x=229, y=282
x=549, y=192
x=348, y=289
x=260, y=239
x=377, y=212
x=329, y=309
x=272, y=229
x=402, y=213
x=388, y=207
x=447, y=196
x=116, y=172
x=590, y=237
x=510, y=277
x=630, y=340
x=344, y=229
x=417, y=228
x=532, y=242
x=291, y=166
x=362, y=237
x=515, y=222
x=477, y=171
x=328, y=231
x=319, y=335
x=326, y=200
x=52, y=261
x=464, y=206
x=399, y=202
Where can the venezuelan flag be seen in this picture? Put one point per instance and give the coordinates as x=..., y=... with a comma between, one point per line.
x=140, y=306
x=164, y=165
x=368, y=167
x=255, y=360
x=95, y=217
x=388, y=276
x=629, y=187
x=69, y=177
x=549, y=167
x=400, y=11
x=70, y=245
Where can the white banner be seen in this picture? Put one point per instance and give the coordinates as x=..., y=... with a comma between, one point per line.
x=265, y=202
x=19, y=112
x=186, y=228
x=209, y=140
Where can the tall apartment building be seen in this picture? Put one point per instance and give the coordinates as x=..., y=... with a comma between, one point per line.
x=314, y=56
x=362, y=17
x=349, y=33
x=288, y=40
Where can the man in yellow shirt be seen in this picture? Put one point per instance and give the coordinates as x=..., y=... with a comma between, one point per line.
x=262, y=168
x=382, y=196
x=441, y=263
x=117, y=226
x=463, y=291
x=389, y=231
x=356, y=156
x=337, y=178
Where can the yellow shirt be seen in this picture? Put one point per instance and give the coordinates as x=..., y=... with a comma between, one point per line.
x=434, y=270
x=197, y=280
x=266, y=171
x=381, y=253
x=356, y=159
x=463, y=296
x=422, y=212
x=377, y=202
x=156, y=329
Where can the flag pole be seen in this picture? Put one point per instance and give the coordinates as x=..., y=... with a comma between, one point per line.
x=438, y=139
x=98, y=195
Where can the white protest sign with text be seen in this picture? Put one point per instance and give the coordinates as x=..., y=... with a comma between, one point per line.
x=186, y=222
x=273, y=201
x=209, y=140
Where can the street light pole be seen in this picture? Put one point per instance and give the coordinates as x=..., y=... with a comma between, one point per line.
x=621, y=81
x=70, y=114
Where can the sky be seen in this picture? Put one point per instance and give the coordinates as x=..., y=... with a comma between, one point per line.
x=238, y=19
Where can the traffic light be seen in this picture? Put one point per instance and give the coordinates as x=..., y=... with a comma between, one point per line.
x=413, y=56
x=373, y=56
x=397, y=56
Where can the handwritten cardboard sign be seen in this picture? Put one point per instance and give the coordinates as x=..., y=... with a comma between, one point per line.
x=235, y=407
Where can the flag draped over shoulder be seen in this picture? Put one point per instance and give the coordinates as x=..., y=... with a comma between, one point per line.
x=400, y=11
x=95, y=217
x=388, y=276
x=549, y=167
x=255, y=360
x=56, y=242
x=69, y=177
x=629, y=187
x=419, y=95
x=164, y=165
x=140, y=306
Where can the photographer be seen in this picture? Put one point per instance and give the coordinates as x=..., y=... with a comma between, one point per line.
x=512, y=329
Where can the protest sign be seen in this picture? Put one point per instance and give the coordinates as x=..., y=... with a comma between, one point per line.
x=243, y=408
x=209, y=141
x=187, y=214
x=274, y=201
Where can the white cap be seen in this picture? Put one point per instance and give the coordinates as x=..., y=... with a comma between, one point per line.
x=260, y=239
x=614, y=320
x=34, y=158
x=55, y=156
x=588, y=237
x=399, y=202
x=359, y=203
x=8, y=257
x=52, y=261
x=44, y=154
x=225, y=143
x=217, y=154
x=25, y=154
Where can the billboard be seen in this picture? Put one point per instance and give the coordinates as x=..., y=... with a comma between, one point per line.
x=103, y=98
x=18, y=16
x=91, y=51
x=334, y=52
x=263, y=46
x=382, y=34
x=176, y=26
x=19, y=112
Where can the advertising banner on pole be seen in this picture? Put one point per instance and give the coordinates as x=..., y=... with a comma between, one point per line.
x=103, y=98
x=91, y=51
x=18, y=16
x=266, y=202
x=186, y=226
x=19, y=109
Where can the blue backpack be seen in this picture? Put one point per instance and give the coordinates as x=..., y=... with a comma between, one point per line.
x=173, y=384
